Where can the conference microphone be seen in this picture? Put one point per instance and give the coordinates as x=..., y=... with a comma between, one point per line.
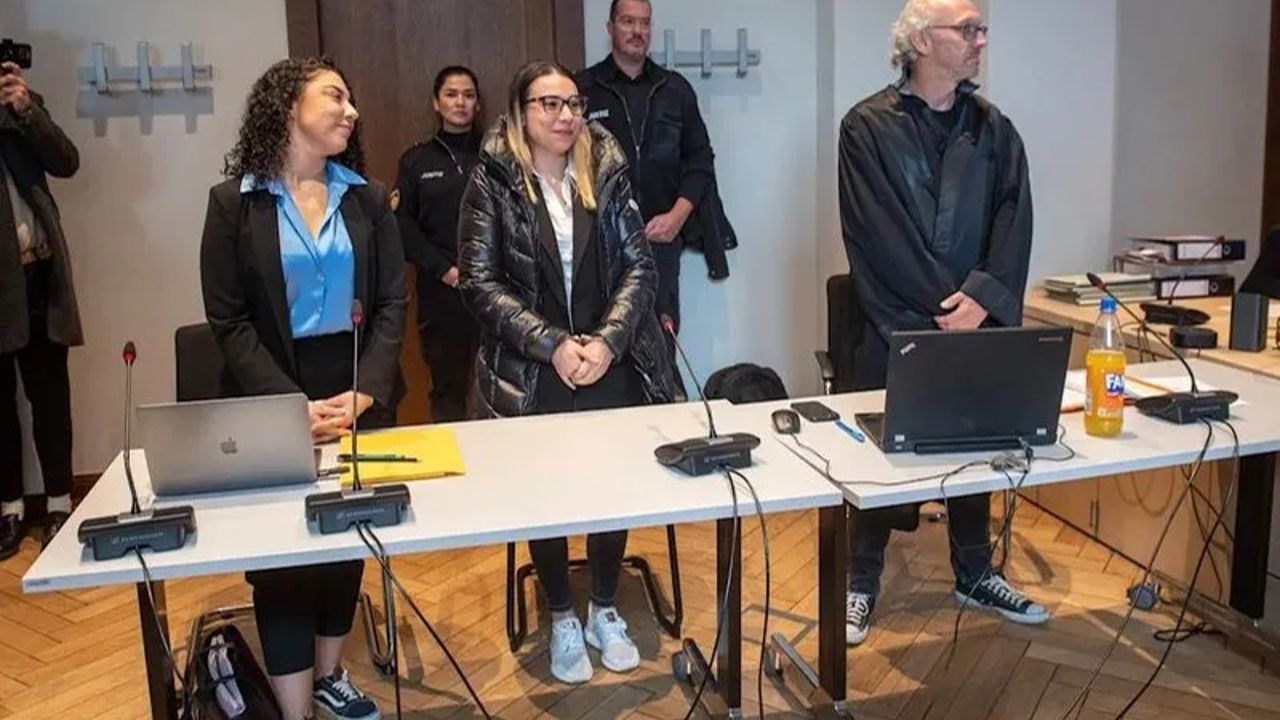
x=1177, y=407
x=670, y=326
x=130, y=354
x=704, y=455
x=381, y=505
x=357, y=320
x=158, y=529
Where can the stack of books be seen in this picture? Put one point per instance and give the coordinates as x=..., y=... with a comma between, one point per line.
x=1184, y=266
x=1076, y=289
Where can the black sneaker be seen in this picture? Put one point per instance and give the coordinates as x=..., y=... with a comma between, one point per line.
x=338, y=699
x=857, y=617
x=995, y=594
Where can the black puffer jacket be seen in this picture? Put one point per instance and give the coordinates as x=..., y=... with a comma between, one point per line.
x=501, y=285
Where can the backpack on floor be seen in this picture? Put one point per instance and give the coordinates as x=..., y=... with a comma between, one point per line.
x=225, y=681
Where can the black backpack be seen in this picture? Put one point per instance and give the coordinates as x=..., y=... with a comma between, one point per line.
x=745, y=383
x=250, y=681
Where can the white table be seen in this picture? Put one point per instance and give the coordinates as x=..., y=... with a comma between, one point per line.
x=527, y=478
x=1146, y=443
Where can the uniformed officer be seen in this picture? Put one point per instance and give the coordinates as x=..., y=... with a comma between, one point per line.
x=428, y=192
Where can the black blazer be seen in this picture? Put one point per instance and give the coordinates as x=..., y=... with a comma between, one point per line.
x=244, y=293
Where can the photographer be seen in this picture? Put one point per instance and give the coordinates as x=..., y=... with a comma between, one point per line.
x=39, y=320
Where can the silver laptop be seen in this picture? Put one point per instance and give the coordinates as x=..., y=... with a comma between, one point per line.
x=234, y=444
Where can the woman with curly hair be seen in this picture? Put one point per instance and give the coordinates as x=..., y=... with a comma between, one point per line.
x=291, y=239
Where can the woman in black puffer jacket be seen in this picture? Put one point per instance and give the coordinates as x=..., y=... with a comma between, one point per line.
x=554, y=265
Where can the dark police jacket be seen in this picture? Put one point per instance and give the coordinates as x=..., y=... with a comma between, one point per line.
x=429, y=187
x=673, y=157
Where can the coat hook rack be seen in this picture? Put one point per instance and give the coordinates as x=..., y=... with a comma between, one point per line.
x=105, y=79
x=706, y=58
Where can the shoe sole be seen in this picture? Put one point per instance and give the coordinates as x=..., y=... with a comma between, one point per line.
x=1009, y=615
x=594, y=642
x=855, y=641
x=324, y=711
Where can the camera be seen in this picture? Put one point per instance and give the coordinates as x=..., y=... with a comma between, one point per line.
x=17, y=53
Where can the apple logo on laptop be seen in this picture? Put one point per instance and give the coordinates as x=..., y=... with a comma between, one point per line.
x=228, y=447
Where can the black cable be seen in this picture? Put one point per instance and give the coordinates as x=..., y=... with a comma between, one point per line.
x=1146, y=577
x=768, y=589
x=392, y=641
x=1177, y=635
x=724, y=604
x=1029, y=455
x=379, y=554
x=1195, y=574
x=160, y=632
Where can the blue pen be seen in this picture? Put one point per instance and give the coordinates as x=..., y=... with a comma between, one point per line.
x=851, y=431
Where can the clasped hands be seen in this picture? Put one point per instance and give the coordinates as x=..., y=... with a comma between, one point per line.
x=581, y=361
x=332, y=418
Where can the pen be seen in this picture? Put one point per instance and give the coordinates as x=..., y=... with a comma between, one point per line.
x=850, y=431
x=346, y=458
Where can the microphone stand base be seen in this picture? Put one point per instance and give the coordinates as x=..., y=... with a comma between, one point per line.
x=380, y=506
x=1183, y=408
x=158, y=530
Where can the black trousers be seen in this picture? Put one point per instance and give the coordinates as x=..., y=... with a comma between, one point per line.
x=293, y=606
x=667, y=257
x=449, y=338
x=45, y=381
x=968, y=518
x=621, y=386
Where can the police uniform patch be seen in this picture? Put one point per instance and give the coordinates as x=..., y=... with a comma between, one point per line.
x=395, y=199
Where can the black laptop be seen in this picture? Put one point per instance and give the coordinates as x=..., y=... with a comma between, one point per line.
x=965, y=391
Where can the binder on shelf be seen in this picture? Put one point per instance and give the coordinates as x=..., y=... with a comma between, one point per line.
x=1190, y=248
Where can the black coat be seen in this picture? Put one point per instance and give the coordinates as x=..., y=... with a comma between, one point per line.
x=926, y=213
x=244, y=290
x=33, y=145
x=673, y=158
x=500, y=240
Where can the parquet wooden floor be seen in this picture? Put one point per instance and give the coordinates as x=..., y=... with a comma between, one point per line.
x=77, y=656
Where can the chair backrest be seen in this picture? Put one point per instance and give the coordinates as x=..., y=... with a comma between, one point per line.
x=846, y=325
x=745, y=383
x=199, y=363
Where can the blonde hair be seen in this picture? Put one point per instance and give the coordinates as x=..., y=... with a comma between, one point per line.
x=518, y=141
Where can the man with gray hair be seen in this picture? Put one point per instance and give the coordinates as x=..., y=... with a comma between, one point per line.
x=935, y=209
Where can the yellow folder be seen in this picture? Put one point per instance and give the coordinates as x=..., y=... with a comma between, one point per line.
x=435, y=451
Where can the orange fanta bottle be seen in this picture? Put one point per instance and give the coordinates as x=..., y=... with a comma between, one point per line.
x=1104, y=375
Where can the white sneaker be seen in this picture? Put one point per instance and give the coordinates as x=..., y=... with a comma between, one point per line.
x=857, y=617
x=569, y=661
x=607, y=632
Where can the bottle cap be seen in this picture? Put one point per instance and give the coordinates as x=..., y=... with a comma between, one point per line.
x=1108, y=304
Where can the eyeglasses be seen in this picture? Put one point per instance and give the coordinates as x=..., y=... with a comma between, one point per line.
x=554, y=104
x=968, y=31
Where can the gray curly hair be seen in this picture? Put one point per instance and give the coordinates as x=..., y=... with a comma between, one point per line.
x=916, y=16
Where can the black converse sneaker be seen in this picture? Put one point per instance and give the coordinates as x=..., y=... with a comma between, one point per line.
x=338, y=699
x=995, y=594
x=857, y=617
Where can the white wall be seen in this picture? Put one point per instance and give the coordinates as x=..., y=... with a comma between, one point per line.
x=1052, y=70
x=762, y=128
x=1191, y=117
x=134, y=212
